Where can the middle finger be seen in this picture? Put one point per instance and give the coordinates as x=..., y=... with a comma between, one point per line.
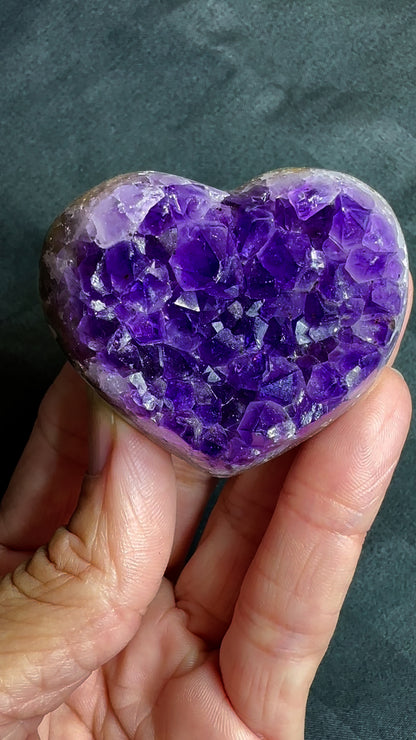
x=208, y=587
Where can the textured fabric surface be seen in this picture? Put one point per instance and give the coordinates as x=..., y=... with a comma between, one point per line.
x=220, y=91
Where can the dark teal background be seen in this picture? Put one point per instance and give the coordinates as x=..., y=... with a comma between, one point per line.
x=220, y=91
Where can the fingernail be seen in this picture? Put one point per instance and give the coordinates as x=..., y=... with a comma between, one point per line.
x=101, y=434
x=395, y=370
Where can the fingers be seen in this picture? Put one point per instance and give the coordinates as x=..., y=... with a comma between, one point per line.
x=208, y=587
x=44, y=489
x=45, y=486
x=79, y=600
x=293, y=591
x=194, y=488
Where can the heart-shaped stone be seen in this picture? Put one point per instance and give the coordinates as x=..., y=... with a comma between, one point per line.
x=227, y=326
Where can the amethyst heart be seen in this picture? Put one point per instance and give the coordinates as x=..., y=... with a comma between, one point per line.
x=227, y=326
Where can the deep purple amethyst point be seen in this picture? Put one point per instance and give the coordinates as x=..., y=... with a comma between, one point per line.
x=228, y=327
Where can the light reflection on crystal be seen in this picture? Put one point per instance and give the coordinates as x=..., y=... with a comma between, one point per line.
x=227, y=325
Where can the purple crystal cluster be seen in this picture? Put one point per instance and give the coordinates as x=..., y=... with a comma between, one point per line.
x=228, y=326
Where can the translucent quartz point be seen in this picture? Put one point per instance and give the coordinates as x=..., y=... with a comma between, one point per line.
x=227, y=326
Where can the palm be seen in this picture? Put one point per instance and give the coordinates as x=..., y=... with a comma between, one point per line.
x=228, y=647
x=164, y=684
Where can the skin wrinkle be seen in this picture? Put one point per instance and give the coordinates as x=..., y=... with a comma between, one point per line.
x=338, y=527
x=26, y=584
x=28, y=728
x=167, y=629
x=302, y=588
x=357, y=480
x=67, y=709
x=63, y=554
x=37, y=675
x=88, y=524
x=292, y=717
x=173, y=620
x=48, y=643
x=247, y=617
x=313, y=566
x=153, y=523
x=146, y=716
x=61, y=561
x=220, y=721
x=110, y=710
x=285, y=692
x=23, y=592
x=257, y=681
x=204, y=691
x=83, y=710
x=292, y=594
x=256, y=676
x=134, y=483
x=140, y=716
x=136, y=454
x=24, y=709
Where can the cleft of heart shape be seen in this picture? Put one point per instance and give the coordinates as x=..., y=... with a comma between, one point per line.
x=227, y=326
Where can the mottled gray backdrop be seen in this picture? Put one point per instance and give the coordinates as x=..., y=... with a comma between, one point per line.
x=219, y=91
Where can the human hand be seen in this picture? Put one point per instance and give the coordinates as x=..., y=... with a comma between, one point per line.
x=106, y=632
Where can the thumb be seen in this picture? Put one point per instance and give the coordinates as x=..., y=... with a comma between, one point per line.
x=79, y=600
